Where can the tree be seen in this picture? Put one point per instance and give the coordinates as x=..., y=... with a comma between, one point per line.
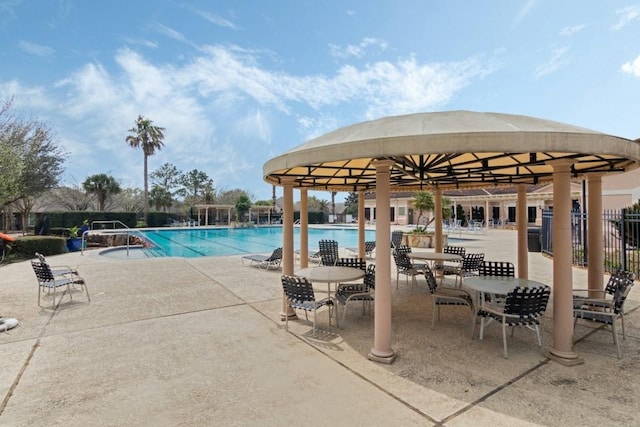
x=351, y=204
x=195, y=184
x=166, y=176
x=149, y=138
x=130, y=200
x=160, y=197
x=243, y=205
x=73, y=198
x=333, y=202
x=229, y=197
x=30, y=160
x=423, y=201
x=102, y=185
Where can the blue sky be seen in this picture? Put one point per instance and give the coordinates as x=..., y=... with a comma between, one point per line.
x=236, y=83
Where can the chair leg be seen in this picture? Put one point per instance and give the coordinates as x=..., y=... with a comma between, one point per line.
x=433, y=314
x=286, y=322
x=615, y=338
x=504, y=338
x=624, y=336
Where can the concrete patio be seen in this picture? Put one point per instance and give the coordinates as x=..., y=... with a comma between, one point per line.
x=200, y=342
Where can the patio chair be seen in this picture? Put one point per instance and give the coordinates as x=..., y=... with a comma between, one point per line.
x=58, y=270
x=396, y=238
x=347, y=292
x=522, y=307
x=445, y=296
x=352, y=262
x=368, y=248
x=404, y=265
x=48, y=281
x=497, y=268
x=299, y=293
x=469, y=266
x=608, y=309
x=265, y=261
x=450, y=268
x=328, y=252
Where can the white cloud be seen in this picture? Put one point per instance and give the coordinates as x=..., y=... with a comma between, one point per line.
x=217, y=20
x=170, y=32
x=626, y=16
x=141, y=42
x=524, y=11
x=570, y=31
x=359, y=50
x=36, y=49
x=26, y=97
x=558, y=59
x=632, y=67
x=219, y=108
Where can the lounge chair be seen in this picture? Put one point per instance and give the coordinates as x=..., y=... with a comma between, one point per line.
x=264, y=261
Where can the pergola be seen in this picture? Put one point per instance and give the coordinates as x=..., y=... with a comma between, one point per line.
x=457, y=149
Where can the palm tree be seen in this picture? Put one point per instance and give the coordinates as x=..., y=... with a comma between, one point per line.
x=148, y=137
x=423, y=201
x=102, y=185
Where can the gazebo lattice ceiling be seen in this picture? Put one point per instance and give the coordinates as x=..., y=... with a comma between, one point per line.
x=456, y=149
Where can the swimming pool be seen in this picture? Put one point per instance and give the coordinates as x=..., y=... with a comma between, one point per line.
x=197, y=241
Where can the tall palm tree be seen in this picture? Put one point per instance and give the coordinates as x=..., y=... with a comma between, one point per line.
x=102, y=185
x=148, y=137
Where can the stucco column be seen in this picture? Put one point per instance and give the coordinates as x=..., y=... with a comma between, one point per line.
x=487, y=215
x=521, y=221
x=304, y=228
x=595, y=256
x=287, y=243
x=382, y=351
x=562, y=346
x=437, y=206
x=361, y=238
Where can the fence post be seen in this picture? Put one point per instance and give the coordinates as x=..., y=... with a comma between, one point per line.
x=623, y=238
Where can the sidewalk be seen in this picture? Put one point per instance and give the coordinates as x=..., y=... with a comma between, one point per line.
x=199, y=342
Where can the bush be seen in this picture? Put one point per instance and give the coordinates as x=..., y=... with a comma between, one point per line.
x=26, y=247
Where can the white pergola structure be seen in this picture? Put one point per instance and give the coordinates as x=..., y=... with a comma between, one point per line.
x=458, y=149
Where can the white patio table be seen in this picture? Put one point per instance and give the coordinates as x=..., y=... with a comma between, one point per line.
x=330, y=274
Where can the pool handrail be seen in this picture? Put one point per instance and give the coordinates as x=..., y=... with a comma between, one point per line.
x=113, y=222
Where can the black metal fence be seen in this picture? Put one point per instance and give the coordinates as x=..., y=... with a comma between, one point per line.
x=620, y=235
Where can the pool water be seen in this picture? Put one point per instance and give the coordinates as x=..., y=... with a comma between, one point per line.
x=197, y=242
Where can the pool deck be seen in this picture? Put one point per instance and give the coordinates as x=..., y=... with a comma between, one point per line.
x=199, y=342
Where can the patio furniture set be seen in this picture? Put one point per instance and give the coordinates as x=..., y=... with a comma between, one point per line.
x=489, y=289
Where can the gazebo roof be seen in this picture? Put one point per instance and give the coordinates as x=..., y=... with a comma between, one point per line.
x=453, y=149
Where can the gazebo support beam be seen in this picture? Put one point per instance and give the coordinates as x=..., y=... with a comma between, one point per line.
x=521, y=221
x=382, y=351
x=595, y=246
x=562, y=331
x=287, y=244
x=304, y=228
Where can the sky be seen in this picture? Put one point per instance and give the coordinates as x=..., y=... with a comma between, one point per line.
x=236, y=83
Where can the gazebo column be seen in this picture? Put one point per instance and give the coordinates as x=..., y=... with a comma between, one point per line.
x=521, y=221
x=361, y=238
x=304, y=228
x=595, y=255
x=562, y=332
x=287, y=243
x=382, y=351
x=437, y=206
x=487, y=215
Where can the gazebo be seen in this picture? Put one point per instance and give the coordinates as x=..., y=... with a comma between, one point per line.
x=457, y=149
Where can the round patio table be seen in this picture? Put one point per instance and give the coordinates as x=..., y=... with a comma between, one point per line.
x=330, y=274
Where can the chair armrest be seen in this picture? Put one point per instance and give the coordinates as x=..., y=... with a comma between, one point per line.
x=594, y=291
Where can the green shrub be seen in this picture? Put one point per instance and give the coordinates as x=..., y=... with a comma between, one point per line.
x=26, y=247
